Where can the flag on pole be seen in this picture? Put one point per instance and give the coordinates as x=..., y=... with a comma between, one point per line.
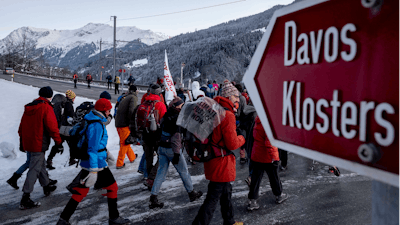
x=170, y=91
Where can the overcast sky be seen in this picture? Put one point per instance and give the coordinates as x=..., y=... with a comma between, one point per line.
x=73, y=14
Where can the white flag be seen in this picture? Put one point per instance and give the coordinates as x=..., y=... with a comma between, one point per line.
x=170, y=91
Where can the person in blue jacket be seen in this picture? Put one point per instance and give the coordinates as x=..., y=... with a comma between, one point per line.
x=95, y=171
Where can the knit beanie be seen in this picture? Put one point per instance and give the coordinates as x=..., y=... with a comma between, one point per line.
x=46, y=92
x=102, y=105
x=155, y=89
x=132, y=88
x=70, y=94
x=228, y=89
x=175, y=102
x=105, y=95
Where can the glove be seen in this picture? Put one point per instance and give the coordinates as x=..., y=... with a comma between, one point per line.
x=70, y=120
x=110, y=158
x=90, y=179
x=276, y=163
x=58, y=149
x=175, y=160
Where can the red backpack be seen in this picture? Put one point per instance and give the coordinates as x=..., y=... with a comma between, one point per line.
x=143, y=115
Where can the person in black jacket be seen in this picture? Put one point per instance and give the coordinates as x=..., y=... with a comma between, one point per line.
x=170, y=150
x=109, y=81
x=66, y=120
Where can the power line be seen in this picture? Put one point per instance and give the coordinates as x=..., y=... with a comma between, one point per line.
x=164, y=14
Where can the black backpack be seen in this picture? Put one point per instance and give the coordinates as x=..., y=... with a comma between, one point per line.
x=81, y=111
x=58, y=102
x=203, y=151
x=78, y=141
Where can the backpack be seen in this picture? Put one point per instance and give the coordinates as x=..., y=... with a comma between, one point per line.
x=81, y=111
x=120, y=98
x=58, y=102
x=203, y=151
x=78, y=142
x=117, y=81
x=145, y=118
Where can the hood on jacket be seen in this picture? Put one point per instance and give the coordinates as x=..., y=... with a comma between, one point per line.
x=224, y=102
x=196, y=90
x=248, y=109
x=95, y=115
x=153, y=97
x=31, y=108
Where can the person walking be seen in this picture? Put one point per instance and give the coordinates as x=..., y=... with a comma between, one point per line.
x=239, y=119
x=122, y=120
x=75, y=78
x=131, y=80
x=151, y=138
x=95, y=171
x=116, y=84
x=88, y=79
x=221, y=171
x=109, y=81
x=170, y=150
x=264, y=157
x=66, y=121
x=38, y=124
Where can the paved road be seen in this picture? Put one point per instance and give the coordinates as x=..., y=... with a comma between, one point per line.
x=61, y=86
x=315, y=196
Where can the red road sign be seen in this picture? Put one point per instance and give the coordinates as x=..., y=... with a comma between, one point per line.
x=124, y=70
x=120, y=70
x=325, y=82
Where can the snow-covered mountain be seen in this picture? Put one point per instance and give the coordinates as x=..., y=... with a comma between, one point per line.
x=64, y=47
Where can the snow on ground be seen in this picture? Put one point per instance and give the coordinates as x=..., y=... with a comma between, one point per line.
x=260, y=29
x=136, y=63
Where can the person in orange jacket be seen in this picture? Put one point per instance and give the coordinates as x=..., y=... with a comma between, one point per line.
x=221, y=171
x=88, y=79
x=75, y=78
x=264, y=157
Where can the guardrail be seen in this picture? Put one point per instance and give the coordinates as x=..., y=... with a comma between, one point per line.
x=98, y=82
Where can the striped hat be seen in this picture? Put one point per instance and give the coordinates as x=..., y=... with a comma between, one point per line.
x=70, y=94
x=228, y=89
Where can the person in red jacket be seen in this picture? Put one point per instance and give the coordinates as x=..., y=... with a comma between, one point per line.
x=151, y=138
x=221, y=171
x=264, y=157
x=88, y=79
x=37, y=125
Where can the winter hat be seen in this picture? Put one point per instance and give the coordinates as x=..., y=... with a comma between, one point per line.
x=228, y=89
x=102, y=105
x=155, y=89
x=175, y=102
x=46, y=92
x=132, y=88
x=70, y=94
x=105, y=95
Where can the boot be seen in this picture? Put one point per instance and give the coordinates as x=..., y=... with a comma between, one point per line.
x=252, y=205
x=13, y=180
x=27, y=203
x=119, y=220
x=49, y=165
x=61, y=221
x=52, y=182
x=48, y=189
x=279, y=199
x=154, y=203
x=194, y=195
x=72, y=161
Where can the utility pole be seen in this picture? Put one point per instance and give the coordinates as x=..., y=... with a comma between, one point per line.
x=115, y=39
x=101, y=75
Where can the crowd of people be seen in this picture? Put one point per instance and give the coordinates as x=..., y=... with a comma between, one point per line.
x=152, y=123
